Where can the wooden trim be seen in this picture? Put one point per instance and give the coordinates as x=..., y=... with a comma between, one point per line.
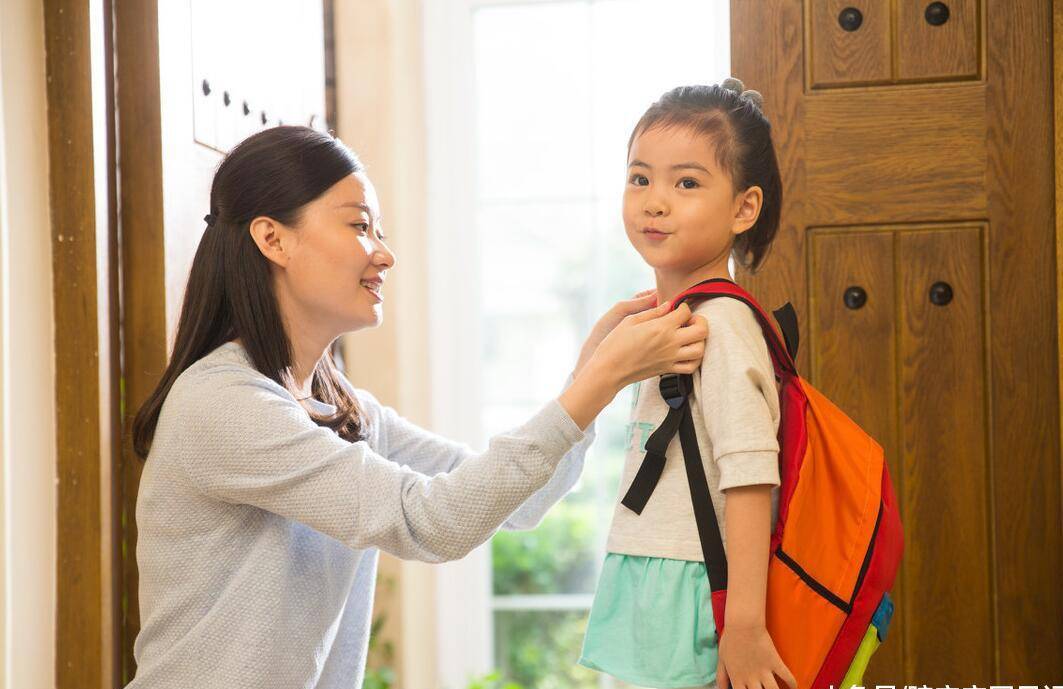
x=79, y=580
x=143, y=265
x=1057, y=49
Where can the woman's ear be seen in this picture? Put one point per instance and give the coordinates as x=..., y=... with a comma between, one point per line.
x=272, y=240
x=747, y=209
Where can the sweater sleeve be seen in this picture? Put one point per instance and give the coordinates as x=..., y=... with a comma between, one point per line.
x=428, y=453
x=249, y=442
x=739, y=400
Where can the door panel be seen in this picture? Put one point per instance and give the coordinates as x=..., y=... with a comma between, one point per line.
x=945, y=480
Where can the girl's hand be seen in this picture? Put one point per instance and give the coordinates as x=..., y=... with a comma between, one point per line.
x=748, y=660
x=646, y=299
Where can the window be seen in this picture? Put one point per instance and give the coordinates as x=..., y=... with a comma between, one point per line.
x=530, y=109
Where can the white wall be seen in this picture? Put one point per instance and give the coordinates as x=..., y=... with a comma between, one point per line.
x=27, y=383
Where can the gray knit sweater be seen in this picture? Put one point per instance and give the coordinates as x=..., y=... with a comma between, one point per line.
x=258, y=529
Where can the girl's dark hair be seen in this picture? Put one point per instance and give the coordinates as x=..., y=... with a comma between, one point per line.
x=273, y=173
x=742, y=137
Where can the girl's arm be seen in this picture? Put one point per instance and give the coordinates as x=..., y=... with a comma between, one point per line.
x=748, y=657
x=748, y=516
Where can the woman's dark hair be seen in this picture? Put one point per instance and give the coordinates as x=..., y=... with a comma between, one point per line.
x=273, y=173
x=742, y=137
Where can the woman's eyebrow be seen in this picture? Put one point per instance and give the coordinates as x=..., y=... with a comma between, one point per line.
x=355, y=204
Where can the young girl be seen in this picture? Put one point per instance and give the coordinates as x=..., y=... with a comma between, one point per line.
x=703, y=188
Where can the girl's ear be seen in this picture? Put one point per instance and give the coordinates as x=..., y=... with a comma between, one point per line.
x=747, y=209
x=272, y=240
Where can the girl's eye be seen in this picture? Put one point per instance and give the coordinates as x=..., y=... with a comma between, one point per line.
x=639, y=180
x=689, y=183
x=361, y=226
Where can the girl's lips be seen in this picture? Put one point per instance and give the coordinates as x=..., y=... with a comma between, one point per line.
x=655, y=235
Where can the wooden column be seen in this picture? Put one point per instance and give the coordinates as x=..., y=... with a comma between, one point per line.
x=79, y=613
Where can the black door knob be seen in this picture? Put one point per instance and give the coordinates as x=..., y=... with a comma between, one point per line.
x=855, y=297
x=850, y=19
x=940, y=293
x=937, y=13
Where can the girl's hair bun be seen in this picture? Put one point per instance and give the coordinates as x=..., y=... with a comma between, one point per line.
x=732, y=84
x=736, y=86
x=754, y=96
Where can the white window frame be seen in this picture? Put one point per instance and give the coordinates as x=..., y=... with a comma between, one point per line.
x=463, y=588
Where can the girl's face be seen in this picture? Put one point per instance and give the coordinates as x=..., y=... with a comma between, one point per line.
x=680, y=209
x=334, y=262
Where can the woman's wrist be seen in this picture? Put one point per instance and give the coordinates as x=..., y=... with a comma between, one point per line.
x=593, y=388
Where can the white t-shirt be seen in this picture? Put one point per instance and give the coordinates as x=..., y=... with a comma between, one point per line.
x=735, y=407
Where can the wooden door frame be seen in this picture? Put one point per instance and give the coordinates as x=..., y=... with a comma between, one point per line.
x=81, y=642
x=143, y=288
x=96, y=590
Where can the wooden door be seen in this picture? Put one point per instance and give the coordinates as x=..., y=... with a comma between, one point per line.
x=918, y=246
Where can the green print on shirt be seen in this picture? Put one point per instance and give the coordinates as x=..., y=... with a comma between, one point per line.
x=646, y=430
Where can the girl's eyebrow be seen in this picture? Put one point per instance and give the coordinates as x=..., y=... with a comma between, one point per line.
x=691, y=165
x=680, y=166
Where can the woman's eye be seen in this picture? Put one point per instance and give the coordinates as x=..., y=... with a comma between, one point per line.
x=639, y=180
x=688, y=183
x=361, y=226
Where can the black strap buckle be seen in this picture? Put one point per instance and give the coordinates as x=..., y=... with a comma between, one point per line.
x=675, y=388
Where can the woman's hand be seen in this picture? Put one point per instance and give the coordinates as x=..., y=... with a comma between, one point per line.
x=748, y=660
x=642, y=345
x=651, y=343
x=646, y=299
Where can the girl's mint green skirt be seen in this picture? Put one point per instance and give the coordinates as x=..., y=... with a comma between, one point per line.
x=651, y=623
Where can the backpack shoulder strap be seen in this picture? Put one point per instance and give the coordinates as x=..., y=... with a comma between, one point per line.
x=782, y=352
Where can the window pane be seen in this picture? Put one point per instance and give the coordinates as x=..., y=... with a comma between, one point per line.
x=640, y=49
x=533, y=269
x=556, y=558
x=532, y=104
x=540, y=648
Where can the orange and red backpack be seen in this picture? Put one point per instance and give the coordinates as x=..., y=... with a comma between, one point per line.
x=837, y=543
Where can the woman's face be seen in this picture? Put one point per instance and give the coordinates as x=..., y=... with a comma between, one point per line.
x=334, y=262
x=680, y=209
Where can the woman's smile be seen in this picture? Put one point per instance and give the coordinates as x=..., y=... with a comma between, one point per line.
x=374, y=287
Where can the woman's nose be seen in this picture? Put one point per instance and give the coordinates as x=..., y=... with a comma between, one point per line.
x=383, y=256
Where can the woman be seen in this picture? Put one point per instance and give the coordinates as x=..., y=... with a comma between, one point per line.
x=270, y=482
